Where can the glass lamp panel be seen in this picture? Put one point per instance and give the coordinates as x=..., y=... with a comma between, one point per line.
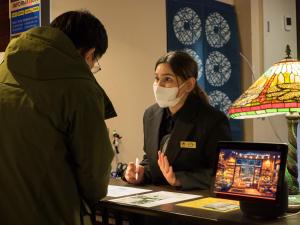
x=289, y=68
x=278, y=69
x=283, y=69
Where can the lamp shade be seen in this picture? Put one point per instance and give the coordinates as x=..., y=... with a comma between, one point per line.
x=275, y=92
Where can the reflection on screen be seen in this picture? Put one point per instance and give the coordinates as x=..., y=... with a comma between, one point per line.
x=248, y=173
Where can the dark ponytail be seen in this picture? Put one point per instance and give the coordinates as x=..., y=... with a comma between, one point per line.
x=200, y=94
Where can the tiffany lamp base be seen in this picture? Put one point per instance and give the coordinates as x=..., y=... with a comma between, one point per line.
x=291, y=173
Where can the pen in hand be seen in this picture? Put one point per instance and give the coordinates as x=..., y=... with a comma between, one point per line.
x=136, y=168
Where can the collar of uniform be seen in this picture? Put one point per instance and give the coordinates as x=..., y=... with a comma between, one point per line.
x=169, y=115
x=187, y=110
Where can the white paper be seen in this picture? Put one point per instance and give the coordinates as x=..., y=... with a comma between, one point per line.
x=120, y=191
x=155, y=198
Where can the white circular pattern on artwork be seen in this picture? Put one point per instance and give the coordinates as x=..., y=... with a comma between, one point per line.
x=197, y=59
x=217, y=69
x=217, y=30
x=220, y=100
x=187, y=26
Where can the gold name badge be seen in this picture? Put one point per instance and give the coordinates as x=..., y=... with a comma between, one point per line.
x=187, y=144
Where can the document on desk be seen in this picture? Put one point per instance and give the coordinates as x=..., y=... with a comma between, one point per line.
x=212, y=204
x=120, y=191
x=155, y=198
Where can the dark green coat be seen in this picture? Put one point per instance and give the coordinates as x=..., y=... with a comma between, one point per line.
x=54, y=145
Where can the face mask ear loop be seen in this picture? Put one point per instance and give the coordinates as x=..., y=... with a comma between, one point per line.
x=177, y=81
x=180, y=85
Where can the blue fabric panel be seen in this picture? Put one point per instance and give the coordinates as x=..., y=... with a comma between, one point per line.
x=208, y=30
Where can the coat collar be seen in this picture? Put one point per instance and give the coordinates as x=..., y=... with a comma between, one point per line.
x=184, y=124
x=152, y=140
x=154, y=125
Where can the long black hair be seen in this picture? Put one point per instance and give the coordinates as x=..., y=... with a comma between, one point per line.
x=184, y=66
x=84, y=30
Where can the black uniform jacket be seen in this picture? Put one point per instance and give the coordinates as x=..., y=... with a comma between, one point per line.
x=192, y=145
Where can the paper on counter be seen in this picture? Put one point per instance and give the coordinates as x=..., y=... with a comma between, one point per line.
x=212, y=204
x=120, y=191
x=155, y=198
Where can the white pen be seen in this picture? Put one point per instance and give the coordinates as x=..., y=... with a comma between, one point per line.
x=136, y=168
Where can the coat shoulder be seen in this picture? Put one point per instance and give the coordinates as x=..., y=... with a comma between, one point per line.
x=207, y=111
x=213, y=112
x=151, y=110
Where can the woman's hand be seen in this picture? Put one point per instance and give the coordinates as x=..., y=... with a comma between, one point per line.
x=167, y=170
x=132, y=172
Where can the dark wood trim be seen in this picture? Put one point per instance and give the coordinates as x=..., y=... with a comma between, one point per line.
x=4, y=25
x=45, y=12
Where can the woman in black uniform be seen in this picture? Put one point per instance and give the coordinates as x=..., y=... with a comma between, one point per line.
x=181, y=130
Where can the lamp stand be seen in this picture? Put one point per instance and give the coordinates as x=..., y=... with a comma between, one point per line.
x=291, y=173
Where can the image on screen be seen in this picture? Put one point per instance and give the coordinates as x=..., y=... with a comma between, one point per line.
x=248, y=173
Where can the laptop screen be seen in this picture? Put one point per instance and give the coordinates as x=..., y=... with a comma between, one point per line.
x=249, y=170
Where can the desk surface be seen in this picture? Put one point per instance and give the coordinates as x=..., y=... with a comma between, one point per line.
x=199, y=216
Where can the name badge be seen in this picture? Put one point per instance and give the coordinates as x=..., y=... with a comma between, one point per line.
x=187, y=144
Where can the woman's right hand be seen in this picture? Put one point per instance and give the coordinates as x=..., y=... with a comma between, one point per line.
x=132, y=172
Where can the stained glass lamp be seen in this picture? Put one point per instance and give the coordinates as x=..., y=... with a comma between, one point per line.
x=276, y=92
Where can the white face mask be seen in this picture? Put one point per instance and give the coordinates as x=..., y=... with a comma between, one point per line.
x=166, y=97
